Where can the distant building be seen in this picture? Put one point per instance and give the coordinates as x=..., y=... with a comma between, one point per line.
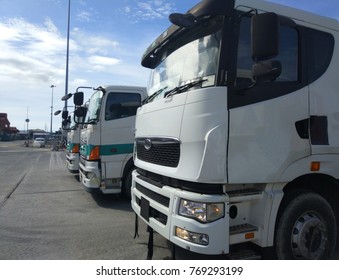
x=6, y=131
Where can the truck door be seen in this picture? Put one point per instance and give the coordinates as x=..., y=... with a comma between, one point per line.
x=323, y=73
x=117, y=135
x=266, y=132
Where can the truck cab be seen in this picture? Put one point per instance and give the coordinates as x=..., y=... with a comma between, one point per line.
x=237, y=143
x=73, y=145
x=107, y=138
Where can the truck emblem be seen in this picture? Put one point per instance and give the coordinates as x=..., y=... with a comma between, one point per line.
x=148, y=144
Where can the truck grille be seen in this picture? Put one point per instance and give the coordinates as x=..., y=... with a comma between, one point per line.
x=163, y=200
x=161, y=151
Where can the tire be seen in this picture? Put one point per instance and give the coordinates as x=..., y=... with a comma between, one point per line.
x=306, y=228
x=127, y=184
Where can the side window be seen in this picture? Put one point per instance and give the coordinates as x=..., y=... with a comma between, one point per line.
x=121, y=105
x=288, y=53
x=320, y=47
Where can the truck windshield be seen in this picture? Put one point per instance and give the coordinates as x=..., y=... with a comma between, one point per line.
x=73, y=124
x=192, y=56
x=94, y=105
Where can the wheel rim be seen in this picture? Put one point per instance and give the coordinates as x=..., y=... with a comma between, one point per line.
x=309, y=237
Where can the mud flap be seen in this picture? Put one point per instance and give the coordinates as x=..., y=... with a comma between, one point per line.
x=136, y=226
x=150, y=243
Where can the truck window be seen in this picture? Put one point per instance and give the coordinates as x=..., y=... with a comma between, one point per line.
x=94, y=106
x=320, y=47
x=288, y=53
x=121, y=105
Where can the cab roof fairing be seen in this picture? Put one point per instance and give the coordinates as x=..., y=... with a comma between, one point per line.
x=202, y=9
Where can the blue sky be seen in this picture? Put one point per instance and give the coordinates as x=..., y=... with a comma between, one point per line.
x=107, y=40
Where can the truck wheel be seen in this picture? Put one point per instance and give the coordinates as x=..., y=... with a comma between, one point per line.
x=127, y=184
x=306, y=228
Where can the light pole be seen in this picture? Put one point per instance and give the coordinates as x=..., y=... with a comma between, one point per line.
x=51, y=127
x=67, y=51
x=27, y=139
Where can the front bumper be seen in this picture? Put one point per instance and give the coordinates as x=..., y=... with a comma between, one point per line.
x=72, y=161
x=158, y=207
x=89, y=174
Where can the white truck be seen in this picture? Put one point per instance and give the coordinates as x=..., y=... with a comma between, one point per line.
x=237, y=145
x=72, y=125
x=73, y=145
x=107, y=137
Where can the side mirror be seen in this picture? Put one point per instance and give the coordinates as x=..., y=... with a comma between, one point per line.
x=64, y=115
x=265, y=36
x=65, y=123
x=57, y=112
x=80, y=112
x=78, y=98
x=266, y=70
x=66, y=97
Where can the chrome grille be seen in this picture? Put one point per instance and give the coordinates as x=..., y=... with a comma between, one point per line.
x=161, y=151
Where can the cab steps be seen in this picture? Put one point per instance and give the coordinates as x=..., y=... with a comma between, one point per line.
x=243, y=233
x=245, y=254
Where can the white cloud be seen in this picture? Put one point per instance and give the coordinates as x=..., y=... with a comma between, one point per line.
x=33, y=57
x=84, y=16
x=149, y=10
x=78, y=82
x=30, y=51
x=36, y=54
x=93, y=44
x=127, y=9
x=101, y=63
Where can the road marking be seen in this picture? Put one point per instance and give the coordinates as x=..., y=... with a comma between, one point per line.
x=55, y=161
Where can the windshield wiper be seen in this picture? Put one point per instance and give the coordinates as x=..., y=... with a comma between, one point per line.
x=183, y=88
x=151, y=97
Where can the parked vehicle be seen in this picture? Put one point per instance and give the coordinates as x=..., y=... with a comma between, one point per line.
x=73, y=145
x=39, y=143
x=238, y=141
x=107, y=138
x=72, y=124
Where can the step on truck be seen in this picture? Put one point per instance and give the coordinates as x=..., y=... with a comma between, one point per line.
x=237, y=145
x=107, y=137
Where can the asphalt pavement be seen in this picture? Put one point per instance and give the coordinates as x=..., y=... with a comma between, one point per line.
x=45, y=214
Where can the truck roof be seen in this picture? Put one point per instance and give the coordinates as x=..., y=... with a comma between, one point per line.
x=122, y=87
x=140, y=89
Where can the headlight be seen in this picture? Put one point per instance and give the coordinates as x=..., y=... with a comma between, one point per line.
x=91, y=175
x=202, y=212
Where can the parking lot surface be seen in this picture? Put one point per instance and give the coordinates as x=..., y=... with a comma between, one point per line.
x=45, y=214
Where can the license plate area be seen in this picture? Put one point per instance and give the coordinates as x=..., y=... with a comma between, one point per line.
x=144, y=205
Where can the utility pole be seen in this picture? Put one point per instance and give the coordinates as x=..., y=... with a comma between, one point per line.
x=67, y=53
x=51, y=127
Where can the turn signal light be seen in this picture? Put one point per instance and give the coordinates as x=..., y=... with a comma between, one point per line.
x=249, y=235
x=315, y=166
x=75, y=148
x=95, y=153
